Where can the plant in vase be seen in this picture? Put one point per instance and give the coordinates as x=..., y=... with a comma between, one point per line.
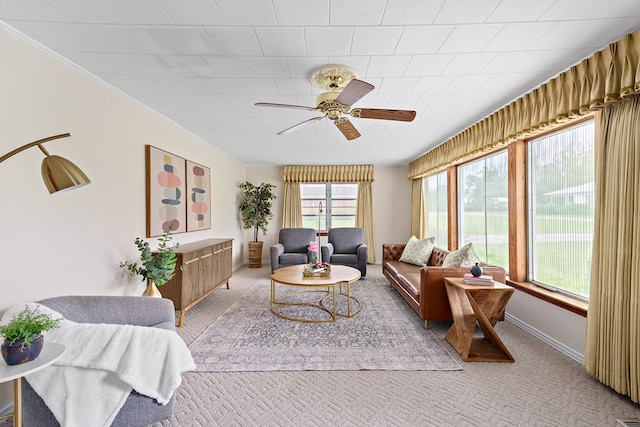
x=23, y=339
x=156, y=268
x=255, y=208
x=313, y=248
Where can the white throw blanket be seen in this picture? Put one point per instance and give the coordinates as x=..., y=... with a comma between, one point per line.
x=102, y=363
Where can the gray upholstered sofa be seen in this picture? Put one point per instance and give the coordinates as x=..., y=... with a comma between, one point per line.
x=138, y=410
x=292, y=247
x=346, y=246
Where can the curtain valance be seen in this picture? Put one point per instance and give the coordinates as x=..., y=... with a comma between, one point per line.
x=610, y=75
x=339, y=173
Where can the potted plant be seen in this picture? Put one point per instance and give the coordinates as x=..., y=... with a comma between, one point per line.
x=23, y=339
x=157, y=269
x=255, y=207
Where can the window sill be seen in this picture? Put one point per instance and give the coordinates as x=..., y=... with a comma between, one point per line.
x=555, y=298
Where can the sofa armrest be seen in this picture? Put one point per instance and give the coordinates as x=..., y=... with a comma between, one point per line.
x=362, y=250
x=275, y=251
x=392, y=251
x=362, y=255
x=120, y=310
x=327, y=251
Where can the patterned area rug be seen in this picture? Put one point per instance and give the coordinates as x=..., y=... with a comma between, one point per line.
x=385, y=335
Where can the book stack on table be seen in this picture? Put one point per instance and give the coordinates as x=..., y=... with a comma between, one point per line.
x=484, y=279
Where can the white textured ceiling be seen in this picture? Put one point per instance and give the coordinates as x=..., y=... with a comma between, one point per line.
x=204, y=63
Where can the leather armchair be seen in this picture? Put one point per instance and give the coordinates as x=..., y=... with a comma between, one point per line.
x=138, y=410
x=346, y=246
x=292, y=248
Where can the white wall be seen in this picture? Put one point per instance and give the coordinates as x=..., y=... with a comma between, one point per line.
x=556, y=326
x=72, y=243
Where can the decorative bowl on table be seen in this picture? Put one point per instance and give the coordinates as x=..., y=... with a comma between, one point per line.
x=317, y=270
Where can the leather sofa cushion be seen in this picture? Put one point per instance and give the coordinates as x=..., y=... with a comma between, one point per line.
x=399, y=267
x=410, y=282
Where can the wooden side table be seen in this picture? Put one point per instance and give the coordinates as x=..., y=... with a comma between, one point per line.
x=477, y=303
x=51, y=352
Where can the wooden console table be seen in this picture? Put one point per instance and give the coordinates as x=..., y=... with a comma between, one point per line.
x=206, y=266
x=481, y=303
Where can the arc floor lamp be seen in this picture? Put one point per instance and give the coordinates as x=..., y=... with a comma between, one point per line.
x=58, y=173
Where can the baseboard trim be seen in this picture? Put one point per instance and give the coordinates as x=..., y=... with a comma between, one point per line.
x=569, y=352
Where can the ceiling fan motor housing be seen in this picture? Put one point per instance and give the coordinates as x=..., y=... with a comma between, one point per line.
x=327, y=104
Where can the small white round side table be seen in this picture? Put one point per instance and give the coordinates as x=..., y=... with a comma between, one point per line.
x=51, y=352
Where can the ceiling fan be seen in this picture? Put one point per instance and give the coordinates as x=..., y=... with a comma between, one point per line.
x=343, y=90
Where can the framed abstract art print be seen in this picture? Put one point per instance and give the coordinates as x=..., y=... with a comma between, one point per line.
x=166, y=201
x=198, y=197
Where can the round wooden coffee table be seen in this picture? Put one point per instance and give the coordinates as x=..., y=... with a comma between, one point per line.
x=320, y=293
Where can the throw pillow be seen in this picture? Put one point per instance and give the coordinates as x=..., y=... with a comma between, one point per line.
x=417, y=251
x=463, y=257
x=471, y=259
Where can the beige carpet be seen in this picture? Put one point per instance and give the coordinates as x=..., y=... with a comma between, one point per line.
x=542, y=388
x=385, y=335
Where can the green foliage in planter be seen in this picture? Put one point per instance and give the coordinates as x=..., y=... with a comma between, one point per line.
x=28, y=325
x=256, y=205
x=159, y=267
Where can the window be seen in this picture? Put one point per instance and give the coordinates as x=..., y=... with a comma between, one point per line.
x=483, y=208
x=435, y=206
x=561, y=177
x=326, y=205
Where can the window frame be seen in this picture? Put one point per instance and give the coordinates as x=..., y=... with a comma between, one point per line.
x=460, y=203
x=426, y=192
x=518, y=213
x=532, y=204
x=328, y=207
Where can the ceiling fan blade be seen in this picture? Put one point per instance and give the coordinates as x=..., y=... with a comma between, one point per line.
x=355, y=90
x=296, y=127
x=298, y=107
x=347, y=128
x=377, y=113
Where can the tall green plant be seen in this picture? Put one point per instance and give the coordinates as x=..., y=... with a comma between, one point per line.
x=256, y=205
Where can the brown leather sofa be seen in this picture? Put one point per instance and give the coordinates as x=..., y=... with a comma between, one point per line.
x=423, y=287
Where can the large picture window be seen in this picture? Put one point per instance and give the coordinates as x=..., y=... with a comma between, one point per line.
x=561, y=209
x=483, y=206
x=328, y=205
x=435, y=200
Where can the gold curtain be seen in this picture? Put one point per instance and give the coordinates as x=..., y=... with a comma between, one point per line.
x=364, y=218
x=608, y=76
x=340, y=173
x=291, y=206
x=612, y=349
x=417, y=209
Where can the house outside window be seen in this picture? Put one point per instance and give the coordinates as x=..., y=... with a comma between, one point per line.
x=328, y=205
x=561, y=209
x=483, y=208
x=434, y=189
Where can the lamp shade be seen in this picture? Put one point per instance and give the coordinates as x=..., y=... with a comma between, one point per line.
x=60, y=174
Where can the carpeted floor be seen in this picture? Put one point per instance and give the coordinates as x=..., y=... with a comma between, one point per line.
x=542, y=388
x=384, y=335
